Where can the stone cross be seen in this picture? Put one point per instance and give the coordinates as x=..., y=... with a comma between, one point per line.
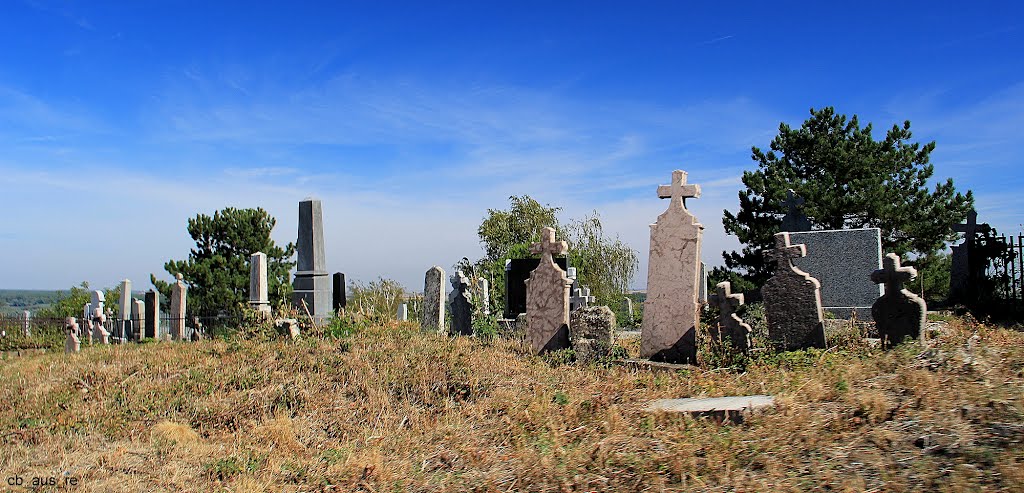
x=72, y=344
x=547, y=297
x=259, y=297
x=433, y=300
x=312, y=285
x=792, y=300
x=961, y=276
x=898, y=314
x=179, y=302
x=671, y=311
x=576, y=299
x=461, y=305
x=794, y=220
x=152, y=323
x=970, y=227
x=729, y=322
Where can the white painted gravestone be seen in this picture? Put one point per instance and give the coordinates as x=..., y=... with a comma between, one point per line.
x=668, y=332
x=547, y=297
x=792, y=300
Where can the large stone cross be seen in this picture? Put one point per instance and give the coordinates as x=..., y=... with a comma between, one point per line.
x=892, y=274
x=970, y=227
x=784, y=252
x=679, y=189
x=548, y=247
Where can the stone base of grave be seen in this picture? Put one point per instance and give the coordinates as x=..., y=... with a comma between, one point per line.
x=720, y=409
x=590, y=332
x=645, y=364
x=313, y=288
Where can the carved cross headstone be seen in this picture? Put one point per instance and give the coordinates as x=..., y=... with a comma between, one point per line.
x=792, y=300
x=729, y=322
x=461, y=305
x=898, y=313
x=72, y=344
x=671, y=312
x=794, y=220
x=547, y=297
x=960, y=270
x=99, y=333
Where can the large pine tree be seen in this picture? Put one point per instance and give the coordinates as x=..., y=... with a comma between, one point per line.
x=848, y=180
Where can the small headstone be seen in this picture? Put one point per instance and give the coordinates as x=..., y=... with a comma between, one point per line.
x=461, y=305
x=100, y=335
x=627, y=306
x=179, y=301
x=312, y=286
x=198, y=331
x=794, y=220
x=792, y=300
x=259, y=296
x=403, y=313
x=898, y=313
x=152, y=323
x=576, y=299
x=720, y=409
x=72, y=344
x=730, y=325
x=138, y=317
x=591, y=331
x=288, y=327
x=338, y=293
x=547, y=297
x=485, y=295
x=671, y=311
x=433, y=300
x=26, y=323
x=124, y=309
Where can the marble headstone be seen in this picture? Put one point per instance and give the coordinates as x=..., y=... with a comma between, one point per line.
x=179, y=302
x=517, y=271
x=547, y=297
x=100, y=335
x=125, y=311
x=259, y=297
x=838, y=259
x=485, y=295
x=312, y=284
x=898, y=313
x=433, y=300
x=792, y=300
x=138, y=316
x=72, y=344
x=671, y=311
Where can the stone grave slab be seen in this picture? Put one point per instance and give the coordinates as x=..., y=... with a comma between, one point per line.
x=720, y=409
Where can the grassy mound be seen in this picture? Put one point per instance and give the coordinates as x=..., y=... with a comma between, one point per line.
x=390, y=409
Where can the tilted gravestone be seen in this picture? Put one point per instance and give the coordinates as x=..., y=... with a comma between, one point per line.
x=730, y=326
x=517, y=271
x=898, y=313
x=433, y=300
x=312, y=287
x=547, y=297
x=461, y=305
x=259, y=296
x=838, y=259
x=179, y=303
x=792, y=300
x=671, y=311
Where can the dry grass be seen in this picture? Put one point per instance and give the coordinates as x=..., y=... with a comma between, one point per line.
x=395, y=410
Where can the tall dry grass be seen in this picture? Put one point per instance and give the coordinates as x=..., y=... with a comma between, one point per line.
x=392, y=409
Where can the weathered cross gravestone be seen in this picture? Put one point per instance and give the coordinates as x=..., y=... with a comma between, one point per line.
x=312, y=286
x=152, y=314
x=338, y=293
x=517, y=271
x=485, y=295
x=125, y=311
x=794, y=220
x=99, y=333
x=792, y=300
x=960, y=269
x=71, y=344
x=138, y=316
x=576, y=298
x=838, y=259
x=259, y=296
x=671, y=310
x=461, y=305
x=547, y=297
x=898, y=313
x=403, y=313
x=179, y=301
x=433, y=300
x=730, y=325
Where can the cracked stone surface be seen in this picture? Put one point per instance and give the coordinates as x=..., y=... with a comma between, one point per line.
x=547, y=298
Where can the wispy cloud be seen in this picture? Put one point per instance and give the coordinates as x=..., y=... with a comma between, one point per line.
x=715, y=40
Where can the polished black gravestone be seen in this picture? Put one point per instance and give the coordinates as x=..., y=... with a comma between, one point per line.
x=517, y=271
x=339, y=291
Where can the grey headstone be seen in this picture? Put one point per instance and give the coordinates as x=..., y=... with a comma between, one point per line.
x=433, y=300
x=792, y=300
x=731, y=326
x=960, y=267
x=259, y=296
x=461, y=305
x=702, y=294
x=152, y=315
x=839, y=260
x=627, y=306
x=898, y=313
x=138, y=317
x=97, y=301
x=403, y=313
x=312, y=282
x=485, y=295
x=591, y=331
x=339, y=294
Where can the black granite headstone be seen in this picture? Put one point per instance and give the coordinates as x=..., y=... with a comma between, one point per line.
x=339, y=291
x=517, y=271
x=152, y=314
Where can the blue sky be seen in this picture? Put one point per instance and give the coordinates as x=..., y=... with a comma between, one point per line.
x=119, y=121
